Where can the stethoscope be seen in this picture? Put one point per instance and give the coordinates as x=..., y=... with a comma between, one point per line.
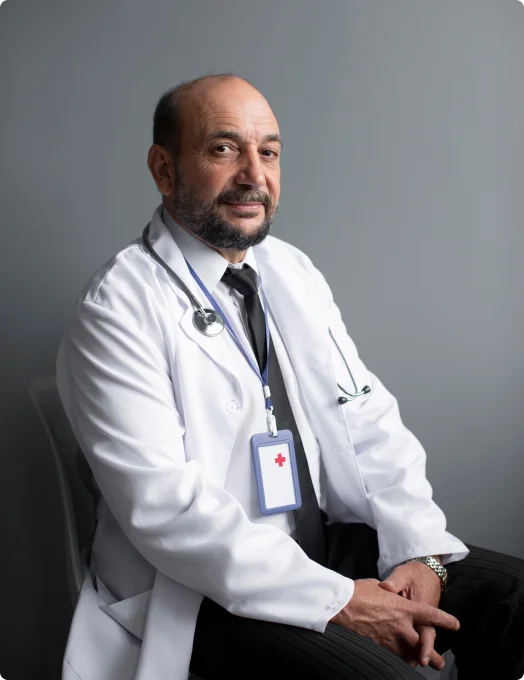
x=210, y=323
x=350, y=396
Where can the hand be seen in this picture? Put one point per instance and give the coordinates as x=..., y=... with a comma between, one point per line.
x=418, y=583
x=376, y=612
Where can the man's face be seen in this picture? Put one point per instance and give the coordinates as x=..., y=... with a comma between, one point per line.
x=227, y=176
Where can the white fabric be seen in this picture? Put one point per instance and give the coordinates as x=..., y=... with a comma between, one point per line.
x=240, y=479
x=147, y=396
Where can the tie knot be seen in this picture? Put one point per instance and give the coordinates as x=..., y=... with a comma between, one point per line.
x=243, y=280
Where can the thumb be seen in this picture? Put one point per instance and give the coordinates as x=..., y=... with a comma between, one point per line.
x=389, y=586
x=395, y=582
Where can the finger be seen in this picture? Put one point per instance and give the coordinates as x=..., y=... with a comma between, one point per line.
x=394, y=583
x=427, y=654
x=409, y=640
x=389, y=586
x=436, y=661
x=426, y=615
x=427, y=641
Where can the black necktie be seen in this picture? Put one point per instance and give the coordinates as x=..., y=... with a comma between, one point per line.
x=308, y=521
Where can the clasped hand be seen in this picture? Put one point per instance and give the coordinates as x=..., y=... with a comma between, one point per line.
x=400, y=613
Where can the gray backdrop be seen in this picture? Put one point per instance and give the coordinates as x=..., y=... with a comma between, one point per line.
x=403, y=172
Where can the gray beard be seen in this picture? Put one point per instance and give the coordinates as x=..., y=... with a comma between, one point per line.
x=204, y=221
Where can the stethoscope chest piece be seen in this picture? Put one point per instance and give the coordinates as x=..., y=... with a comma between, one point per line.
x=210, y=325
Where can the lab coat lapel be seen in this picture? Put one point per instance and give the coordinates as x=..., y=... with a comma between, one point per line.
x=297, y=311
x=301, y=316
x=217, y=348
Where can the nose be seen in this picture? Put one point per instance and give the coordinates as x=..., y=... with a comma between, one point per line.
x=251, y=172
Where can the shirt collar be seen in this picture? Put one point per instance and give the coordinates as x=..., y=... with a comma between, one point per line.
x=207, y=263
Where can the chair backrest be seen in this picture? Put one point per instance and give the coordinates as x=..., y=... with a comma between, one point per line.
x=77, y=502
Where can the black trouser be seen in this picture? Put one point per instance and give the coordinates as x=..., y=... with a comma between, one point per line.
x=485, y=592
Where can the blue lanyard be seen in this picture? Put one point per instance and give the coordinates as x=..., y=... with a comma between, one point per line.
x=262, y=376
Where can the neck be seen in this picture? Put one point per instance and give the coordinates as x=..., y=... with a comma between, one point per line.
x=233, y=256
x=229, y=254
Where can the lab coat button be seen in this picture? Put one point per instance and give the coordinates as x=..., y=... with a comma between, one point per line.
x=232, y=406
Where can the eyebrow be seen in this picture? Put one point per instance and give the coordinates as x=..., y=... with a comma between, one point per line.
x=236, y=137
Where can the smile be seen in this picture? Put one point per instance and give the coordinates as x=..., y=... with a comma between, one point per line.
x=245, y=206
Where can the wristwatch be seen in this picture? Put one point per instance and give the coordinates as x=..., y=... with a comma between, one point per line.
x=432, y=563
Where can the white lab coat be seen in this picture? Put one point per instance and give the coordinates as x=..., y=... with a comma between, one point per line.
x=147, y=398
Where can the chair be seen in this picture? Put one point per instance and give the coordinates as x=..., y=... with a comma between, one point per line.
x=78, y=504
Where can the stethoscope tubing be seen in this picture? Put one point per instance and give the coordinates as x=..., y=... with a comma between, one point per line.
x=192, y=298
x=203, y=313
x=350, y=396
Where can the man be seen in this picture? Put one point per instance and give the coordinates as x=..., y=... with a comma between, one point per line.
x=192, y=567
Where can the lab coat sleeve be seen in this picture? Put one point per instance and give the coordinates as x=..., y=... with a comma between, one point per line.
x=114, y=382
x=392, y=464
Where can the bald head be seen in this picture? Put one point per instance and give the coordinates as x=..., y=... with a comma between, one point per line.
x=186, y=99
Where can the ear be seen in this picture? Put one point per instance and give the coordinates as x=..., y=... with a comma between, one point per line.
x=162, y=167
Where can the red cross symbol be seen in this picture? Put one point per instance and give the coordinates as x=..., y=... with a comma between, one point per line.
x=280, y=460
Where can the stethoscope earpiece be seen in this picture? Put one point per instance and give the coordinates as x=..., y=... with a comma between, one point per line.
x=351, y=397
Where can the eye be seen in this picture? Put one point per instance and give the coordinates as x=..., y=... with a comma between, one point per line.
x=221, y=149
x=270, y=153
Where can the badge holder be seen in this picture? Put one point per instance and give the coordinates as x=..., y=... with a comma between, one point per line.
x=276, y=472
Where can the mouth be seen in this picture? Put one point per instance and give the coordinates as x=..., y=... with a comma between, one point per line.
x=245, y=206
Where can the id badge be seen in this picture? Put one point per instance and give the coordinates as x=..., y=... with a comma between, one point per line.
x=276, y=472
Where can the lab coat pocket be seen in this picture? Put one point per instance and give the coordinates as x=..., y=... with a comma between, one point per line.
x=131, y=613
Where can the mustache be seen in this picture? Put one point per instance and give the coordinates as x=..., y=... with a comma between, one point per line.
x=243, y=196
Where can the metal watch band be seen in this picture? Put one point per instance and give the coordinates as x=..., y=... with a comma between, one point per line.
x=432, y=563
